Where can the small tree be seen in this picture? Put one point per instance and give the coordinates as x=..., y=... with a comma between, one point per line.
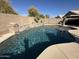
x=42, y=16
x=33, y=12
x=57, y=17
x=47, y=16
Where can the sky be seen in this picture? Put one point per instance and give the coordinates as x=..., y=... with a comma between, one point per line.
x=49, y=7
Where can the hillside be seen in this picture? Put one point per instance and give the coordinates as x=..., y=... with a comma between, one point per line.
x=6, y=19
x=6, y=8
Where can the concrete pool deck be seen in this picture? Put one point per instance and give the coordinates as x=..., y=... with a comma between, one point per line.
x=6, y=36
x=61, y=51
x=75, y=32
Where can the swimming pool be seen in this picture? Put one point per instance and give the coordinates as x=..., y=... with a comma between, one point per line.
x=30, y=43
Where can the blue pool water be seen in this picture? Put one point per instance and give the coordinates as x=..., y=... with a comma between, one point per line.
x=30, y=43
